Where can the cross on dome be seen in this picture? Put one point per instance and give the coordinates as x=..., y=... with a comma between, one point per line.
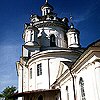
x=71, y=18
x=71, y=22
x=46, y=0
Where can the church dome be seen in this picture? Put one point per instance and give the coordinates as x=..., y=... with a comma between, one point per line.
x=72, y=29
x=47, y=5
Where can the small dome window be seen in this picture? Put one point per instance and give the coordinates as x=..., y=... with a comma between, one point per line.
x=52, y=40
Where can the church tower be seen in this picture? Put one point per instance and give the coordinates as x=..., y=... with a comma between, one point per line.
x=48, y=40
x=46, y=8
x=73, y=36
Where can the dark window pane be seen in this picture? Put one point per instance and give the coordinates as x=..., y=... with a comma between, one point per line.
x=40, y=97
x=39, y=69
x=52, y=40
x=30, y=73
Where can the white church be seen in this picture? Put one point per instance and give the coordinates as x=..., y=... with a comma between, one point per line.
x=53, y=65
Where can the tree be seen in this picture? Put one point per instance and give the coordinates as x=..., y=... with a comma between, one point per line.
x=8, y=92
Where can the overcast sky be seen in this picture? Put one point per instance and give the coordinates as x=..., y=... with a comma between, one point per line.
x=15, y=13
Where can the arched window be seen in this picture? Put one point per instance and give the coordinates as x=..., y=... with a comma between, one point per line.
x=81, y=83
x=52, y=40
x=40, y=97
x=30, y=98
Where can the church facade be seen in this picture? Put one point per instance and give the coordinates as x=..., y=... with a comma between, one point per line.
x=53, y=65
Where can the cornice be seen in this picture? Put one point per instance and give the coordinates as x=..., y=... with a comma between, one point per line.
x=53, y=53
x=79, y=62
x=48, y=23
x=89, y=53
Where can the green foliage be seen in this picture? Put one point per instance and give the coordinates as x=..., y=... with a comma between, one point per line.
x=1, y=95
x=8, y=92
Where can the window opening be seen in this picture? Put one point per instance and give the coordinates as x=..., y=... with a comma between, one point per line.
x=31, y=37
x=67, y=92
x=81, y=83
x=40, y=97
x=39, y=69
x=52, y=40
x=75, y=38
x=29, y=54
x=30, y=73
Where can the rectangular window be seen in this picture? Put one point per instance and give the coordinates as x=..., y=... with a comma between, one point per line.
x=29, y=54
x=39, y=69
x=31, y=37
x=30, y=73
x=67, y=92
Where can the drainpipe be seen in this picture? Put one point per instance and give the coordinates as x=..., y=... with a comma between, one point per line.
x=73, y=83
x=49, y=72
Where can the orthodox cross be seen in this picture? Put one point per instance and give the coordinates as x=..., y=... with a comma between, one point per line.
x=71, y=18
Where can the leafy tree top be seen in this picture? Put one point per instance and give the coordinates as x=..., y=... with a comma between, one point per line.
x=7, y=92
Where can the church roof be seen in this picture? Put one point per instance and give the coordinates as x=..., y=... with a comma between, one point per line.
x=93, y=47
x=72, y=29
x=33, y=92
x=68, y=63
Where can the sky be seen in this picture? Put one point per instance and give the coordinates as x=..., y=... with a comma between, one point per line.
x=15, y=13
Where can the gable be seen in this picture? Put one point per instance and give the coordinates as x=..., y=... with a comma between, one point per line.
x=64, y=66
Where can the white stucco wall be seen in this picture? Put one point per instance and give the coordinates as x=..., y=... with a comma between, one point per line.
x=73, y=39
x=90, y=77
x=50, y=69
x=67, y=94
x=25, y=79
x=89, y=70
x=37, y=82
x=20, y=79
x=27, y=35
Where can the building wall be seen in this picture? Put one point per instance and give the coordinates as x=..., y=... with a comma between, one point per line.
x=37, y=82
x=20, y=79
x=67, y=89
x=25, y=78
x=50, y=68
x=89, y=71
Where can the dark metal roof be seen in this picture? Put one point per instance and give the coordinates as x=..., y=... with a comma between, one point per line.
x=68, y=63
x=73, y=30
x=54, y=91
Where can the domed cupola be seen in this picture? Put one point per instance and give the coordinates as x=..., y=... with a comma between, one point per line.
x=30, y=36
x=46, y=8
x=31, y=43
x=73, y=37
